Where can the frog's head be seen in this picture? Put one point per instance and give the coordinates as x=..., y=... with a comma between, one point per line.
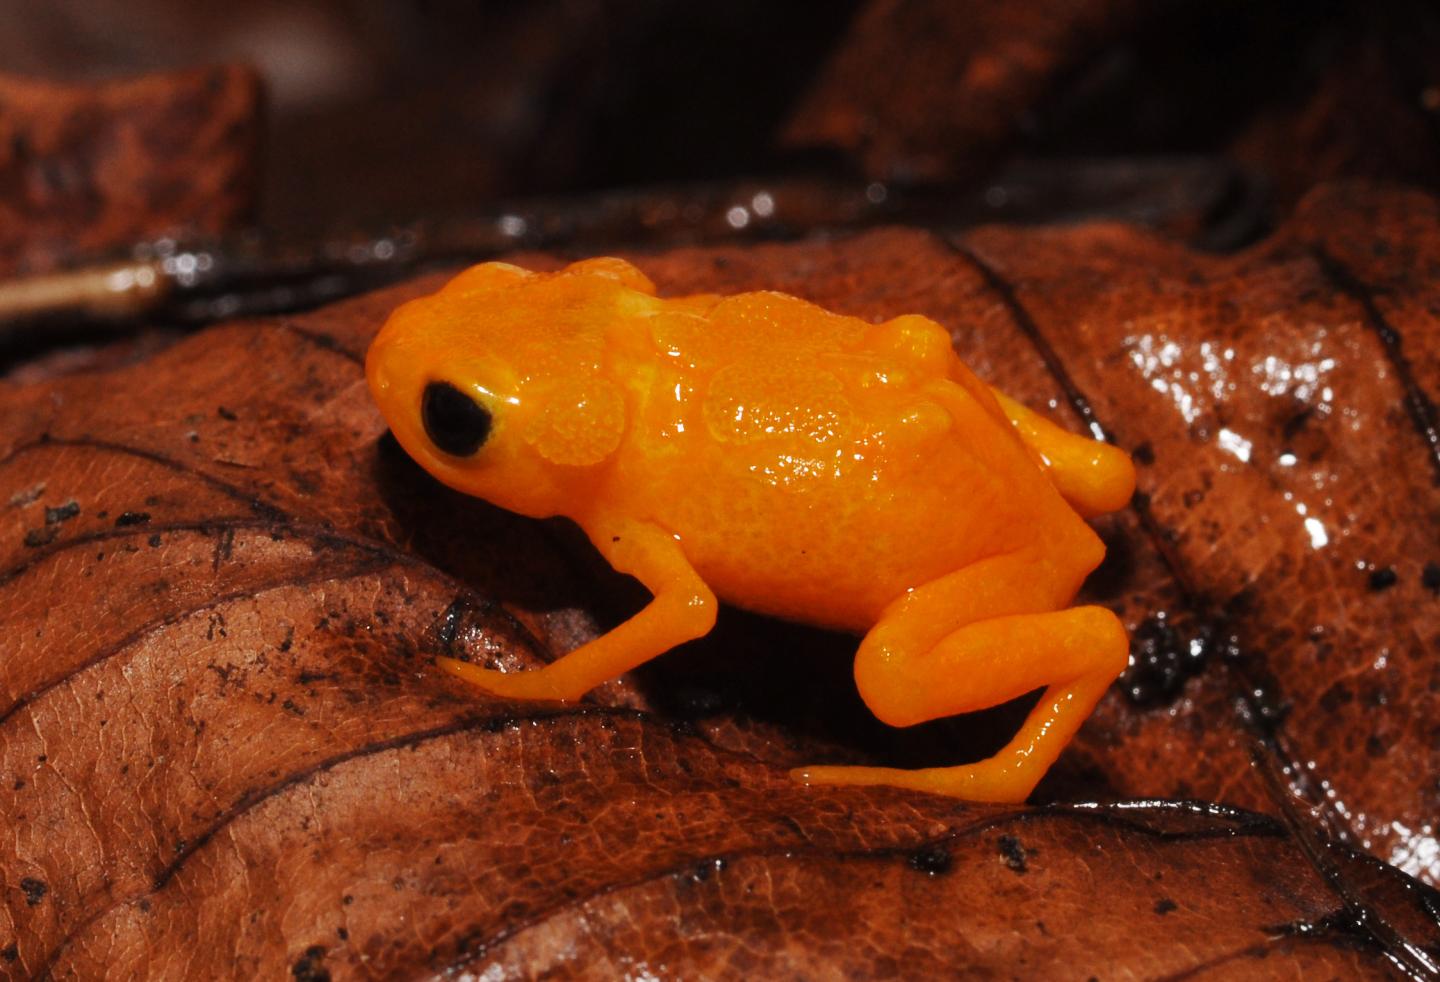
x=509, y=385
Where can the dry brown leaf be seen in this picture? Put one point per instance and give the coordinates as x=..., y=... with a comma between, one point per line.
x=932, y=91
x=226, y=750
x=85, y=169
x=936, y=91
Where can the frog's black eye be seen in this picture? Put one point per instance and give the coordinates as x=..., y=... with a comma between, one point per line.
x=453, y=421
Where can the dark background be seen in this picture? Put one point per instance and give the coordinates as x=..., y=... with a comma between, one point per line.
x=391, y=110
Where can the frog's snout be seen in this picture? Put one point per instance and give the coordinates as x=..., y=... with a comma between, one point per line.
x=379, y=373
x=379, y=381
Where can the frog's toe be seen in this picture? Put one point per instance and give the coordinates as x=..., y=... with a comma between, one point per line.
x=828, y=774
x=985, y=781
x=506, y=685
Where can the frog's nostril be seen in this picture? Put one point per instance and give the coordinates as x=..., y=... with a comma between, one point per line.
x=454, y=422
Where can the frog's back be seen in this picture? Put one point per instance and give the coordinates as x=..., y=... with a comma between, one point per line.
x=823, y=465
x=763, y=327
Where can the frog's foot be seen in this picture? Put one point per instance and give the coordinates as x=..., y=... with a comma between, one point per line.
x=988, y=780
x=535, y=684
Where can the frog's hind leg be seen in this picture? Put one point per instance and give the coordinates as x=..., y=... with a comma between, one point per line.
x=916, y=664
x=1094, y=477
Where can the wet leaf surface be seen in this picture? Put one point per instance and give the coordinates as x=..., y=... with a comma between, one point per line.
x=224, y=748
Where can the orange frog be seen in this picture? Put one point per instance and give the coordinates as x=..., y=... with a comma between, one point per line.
x=790, y=461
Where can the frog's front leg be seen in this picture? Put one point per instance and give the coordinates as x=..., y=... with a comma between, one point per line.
x=974, y=639
x=683, y=608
